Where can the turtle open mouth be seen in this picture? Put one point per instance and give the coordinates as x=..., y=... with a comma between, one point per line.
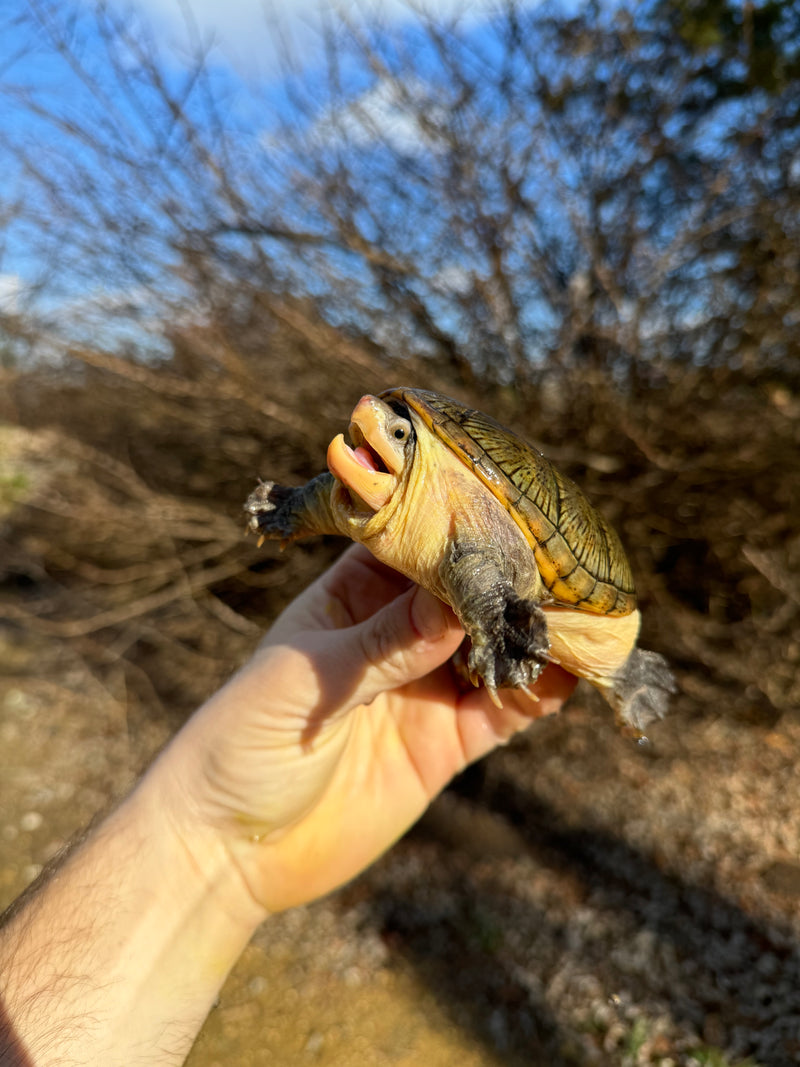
x=370, y=468
x=364, y=453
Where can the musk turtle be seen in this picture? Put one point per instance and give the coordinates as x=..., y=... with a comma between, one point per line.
x=472, y=512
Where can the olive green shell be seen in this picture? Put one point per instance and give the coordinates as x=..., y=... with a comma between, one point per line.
x=579, y=556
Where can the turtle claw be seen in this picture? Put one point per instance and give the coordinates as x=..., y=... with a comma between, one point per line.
x=529, y=693
x=493, y=696
x=514, y=649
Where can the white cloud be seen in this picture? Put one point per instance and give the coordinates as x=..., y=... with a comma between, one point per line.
x=11, y=293
x=387, y=112
x=453, y=279
x=250, y=31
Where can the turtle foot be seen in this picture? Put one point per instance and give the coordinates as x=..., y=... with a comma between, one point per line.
x=642, y=690
x=280, y=513
x=512, y=648
x=271, y=510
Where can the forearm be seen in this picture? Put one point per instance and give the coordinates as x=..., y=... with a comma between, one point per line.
x=118, y=958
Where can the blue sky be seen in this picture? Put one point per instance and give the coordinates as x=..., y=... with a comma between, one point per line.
x=250, y=31
x=247, y=31
x=87, y=295
x=138, y=203
x=248, y=40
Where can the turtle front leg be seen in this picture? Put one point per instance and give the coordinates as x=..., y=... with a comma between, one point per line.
x=508, y=632
x=280, y=513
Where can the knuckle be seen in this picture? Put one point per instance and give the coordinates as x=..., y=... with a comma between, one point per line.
x=381, y=650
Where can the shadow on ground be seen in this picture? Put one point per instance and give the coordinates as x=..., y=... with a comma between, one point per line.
x=562, y=944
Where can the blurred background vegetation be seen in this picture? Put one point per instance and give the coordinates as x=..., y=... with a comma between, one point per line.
x=585, y=223
x=584, y=220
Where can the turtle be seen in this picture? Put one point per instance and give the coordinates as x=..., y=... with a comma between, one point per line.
x=468, y=509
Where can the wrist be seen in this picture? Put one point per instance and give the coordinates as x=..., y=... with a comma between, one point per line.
x=129, y=941
x=205, y=858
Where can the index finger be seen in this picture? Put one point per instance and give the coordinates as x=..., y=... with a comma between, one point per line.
x=362, y=584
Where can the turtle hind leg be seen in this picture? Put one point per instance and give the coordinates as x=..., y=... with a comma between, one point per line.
x=641, y=690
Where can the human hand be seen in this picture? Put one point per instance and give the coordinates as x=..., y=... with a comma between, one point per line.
x=313, y=759
x=340, y=730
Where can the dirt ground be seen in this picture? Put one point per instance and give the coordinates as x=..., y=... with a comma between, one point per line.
x=575, y=899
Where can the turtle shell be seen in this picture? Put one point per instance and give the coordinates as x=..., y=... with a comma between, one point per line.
x=578, y=554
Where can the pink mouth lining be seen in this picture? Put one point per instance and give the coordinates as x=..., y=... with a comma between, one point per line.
x=364, y=457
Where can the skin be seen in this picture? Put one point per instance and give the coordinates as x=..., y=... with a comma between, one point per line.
x=316, y=756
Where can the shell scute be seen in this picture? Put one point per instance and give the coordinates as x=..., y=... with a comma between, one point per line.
x=574, y=586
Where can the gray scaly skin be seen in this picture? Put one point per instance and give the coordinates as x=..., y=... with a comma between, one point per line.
x=641, y=691
x=280, y=513
x=508, y=633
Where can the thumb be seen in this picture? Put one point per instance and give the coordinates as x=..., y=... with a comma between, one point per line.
x=404, y=641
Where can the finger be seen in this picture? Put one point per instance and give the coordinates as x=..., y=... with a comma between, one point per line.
x=362, y=584
x=352, y=589
x=553, y=687
x=403, y=641
x=482, y=726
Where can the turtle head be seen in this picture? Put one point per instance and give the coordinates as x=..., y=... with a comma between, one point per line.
x=383, y=446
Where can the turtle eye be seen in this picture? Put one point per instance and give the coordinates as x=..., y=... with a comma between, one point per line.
x=400, y=428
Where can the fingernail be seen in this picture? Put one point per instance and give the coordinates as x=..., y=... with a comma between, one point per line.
x=429, y=616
